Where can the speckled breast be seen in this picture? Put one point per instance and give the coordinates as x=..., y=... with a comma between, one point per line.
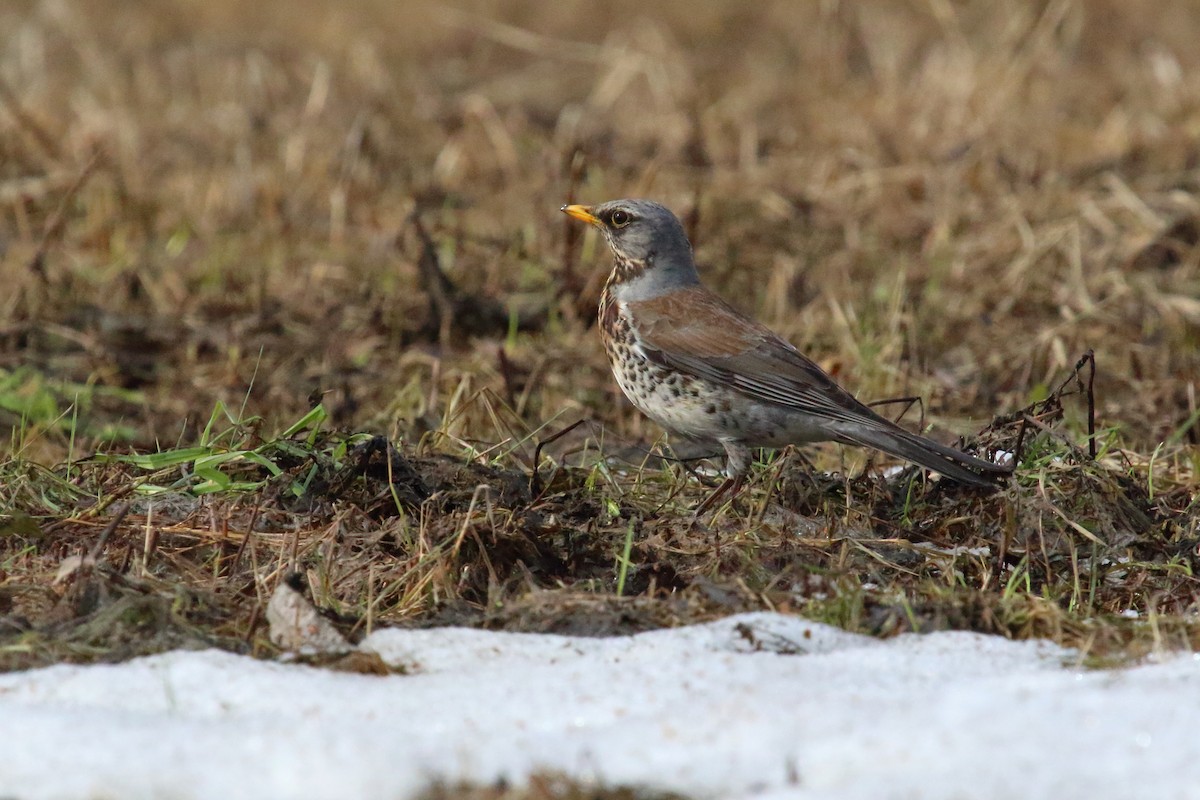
x=679, y=402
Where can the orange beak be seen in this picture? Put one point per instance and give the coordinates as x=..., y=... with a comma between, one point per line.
x=582, y=213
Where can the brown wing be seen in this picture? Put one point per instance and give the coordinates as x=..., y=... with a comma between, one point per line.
x=695, y=331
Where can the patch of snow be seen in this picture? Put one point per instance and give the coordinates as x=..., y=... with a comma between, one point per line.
x=758, y=705
x=982, y=551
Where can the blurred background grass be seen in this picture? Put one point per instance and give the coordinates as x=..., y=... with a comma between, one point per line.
x=951, y=199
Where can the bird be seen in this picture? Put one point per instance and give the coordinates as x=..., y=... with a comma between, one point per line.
x=703, y=370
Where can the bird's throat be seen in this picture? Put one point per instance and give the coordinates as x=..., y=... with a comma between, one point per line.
x=625, y=271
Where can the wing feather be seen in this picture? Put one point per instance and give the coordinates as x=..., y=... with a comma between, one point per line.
x=694, y=331
x=698, y=333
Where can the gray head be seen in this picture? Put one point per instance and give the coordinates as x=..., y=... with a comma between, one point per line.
x=653, y=255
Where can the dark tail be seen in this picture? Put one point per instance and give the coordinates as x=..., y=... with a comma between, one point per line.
x=952, y=463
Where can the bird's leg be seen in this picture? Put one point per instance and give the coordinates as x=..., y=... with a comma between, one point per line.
x=737, y=465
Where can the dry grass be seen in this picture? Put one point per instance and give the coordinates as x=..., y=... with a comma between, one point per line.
x=236, y=207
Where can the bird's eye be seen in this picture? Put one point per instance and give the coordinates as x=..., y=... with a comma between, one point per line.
x=619, y=219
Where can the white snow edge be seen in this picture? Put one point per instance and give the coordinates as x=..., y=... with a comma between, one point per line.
x=757, y=705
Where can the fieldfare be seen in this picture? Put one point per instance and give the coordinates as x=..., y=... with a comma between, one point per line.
x=705, y=371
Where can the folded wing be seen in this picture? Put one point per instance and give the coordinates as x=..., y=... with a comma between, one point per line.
x=695, y=331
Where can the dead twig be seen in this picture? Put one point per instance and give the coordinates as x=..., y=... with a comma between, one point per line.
x=57, y=220
x=535, y=478
x=456, y=311
x=40, y=135
x=569, y=283
x=107, y=533
x=1090, y=357
x=433, y=280
x=909, y=402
